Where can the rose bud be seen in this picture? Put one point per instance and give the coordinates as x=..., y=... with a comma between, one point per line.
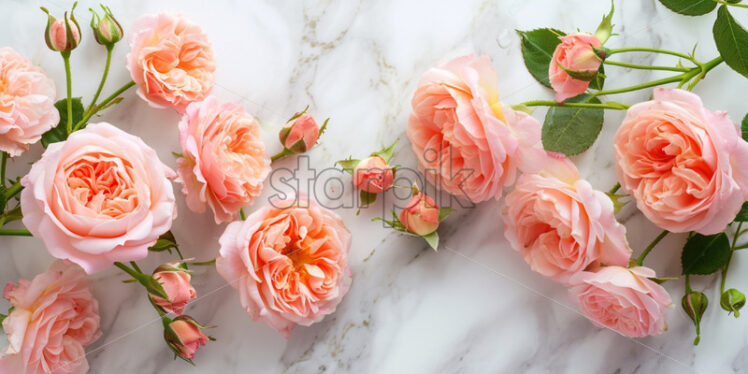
x=175, y=280
x=694, y=304
x=373, y=175
x=107, y=30
x=421, y=215
x=300, y=133
x=62, y=35
x=575, y=63
x=732, y=301
x=184, y=336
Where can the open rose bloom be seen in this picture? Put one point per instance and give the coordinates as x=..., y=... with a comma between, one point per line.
x=171, y=60
x=223, y=163
x=54, y=318
x=561, y=225
x=99, y=197
x=575, y=53
x=27, y=99
x=467, y=143
x=687, y=167
x=289, y=262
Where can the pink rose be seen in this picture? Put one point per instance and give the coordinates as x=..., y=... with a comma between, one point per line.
x=27, y=99
x=99, y=197
x=289, y=261
x=575, y=53
x=623, y=300
x=171, y=60
x=56, y=34
x=223, y=161
x=373, y=175
x=561, y=225
x=421, y=215
x=466, y=142
x=175, y=281
x=185, y=336
x=684, y=165
x=303, y=128
x=54, y=318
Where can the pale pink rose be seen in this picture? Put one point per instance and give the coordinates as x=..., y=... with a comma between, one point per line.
x=54, y=318
x=223, y=161
x=27, y=97
x=623, y=300
x=575, y=53
x=289, y=261
x=57, y=37
x=304, y=127
x=561, y=225
x=187, y=336
x=467, y=143
x=171, y=60
x=684, y=165
x=175, y=281
x=421, y=215
x=373, y=175
x=99, y=197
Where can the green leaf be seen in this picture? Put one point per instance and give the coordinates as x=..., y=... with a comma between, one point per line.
x=387, y=153
x=690, y=7
x=59, y=132
x=444, y=212
x=744, y=127
x=348, y=164
x=165, y=242
x=537, y=50
x=572, y=130
x=743, y=213
x=705, y=254
x=585, y=76
x=433, y=240
x=367, y=198
x=731, y=40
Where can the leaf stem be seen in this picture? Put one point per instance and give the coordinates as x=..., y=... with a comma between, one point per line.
x=103, y=104
x=726, y=268
x=652, y=50
x=640, y=259
x=644, y=67
x=15, y=233
x=285, y=152
x=210, y=262
x=731, y=4
x=616, y=106
x=103, y=77
x=68, y=81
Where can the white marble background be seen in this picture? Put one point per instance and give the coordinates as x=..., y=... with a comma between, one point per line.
x=472, y=307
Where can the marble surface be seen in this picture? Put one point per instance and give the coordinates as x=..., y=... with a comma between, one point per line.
x=472, y=307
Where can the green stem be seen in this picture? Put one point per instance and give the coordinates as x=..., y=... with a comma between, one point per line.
x=688, y=284
x=744, y=246
x=640, y=259
x=616, y=106
x=66, y=58
x=703, y=70
x=726, y=268
x=614, y=189
x=13, y=190
x=135, y=266
x=611, y=52
x=653, y=83
x=127, y=270
x=15, y=233
x=241, y=214
x=106, y=101
x=644, y=67
x=285, y=152
x=211, y=262
x=2, y=169
x=731, y=4
x=103, y=77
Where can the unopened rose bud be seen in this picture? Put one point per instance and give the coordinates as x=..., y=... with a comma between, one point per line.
x=300, y=134
x=373, y=175
x=732, y=301
x=694, y=304
x=175, y=281
x=421, y=215
x=62, y=35
x=184, y=336
x=107, y=30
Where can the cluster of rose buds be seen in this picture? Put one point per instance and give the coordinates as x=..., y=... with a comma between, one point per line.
x=64, y=35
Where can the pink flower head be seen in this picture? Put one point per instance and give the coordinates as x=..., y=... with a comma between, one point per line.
x=185, y=336
x=62, y=35
x=303, y=128
x=289, y=261
x=466, y=141
x=171, y=60
x=175, y=281
x=54, y=318
x=561, y=225
x=623, y=300
x=223, y=161
x=27, y=99
x=575, y=53
x=100, y=196
x=373, y=175
x=421, y=215
x=684, y=165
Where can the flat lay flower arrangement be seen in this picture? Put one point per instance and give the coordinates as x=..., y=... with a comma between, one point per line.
x=99, y=197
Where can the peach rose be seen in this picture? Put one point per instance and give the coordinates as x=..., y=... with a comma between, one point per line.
x=175, y=281
x=223, y=159
x=54, y=318
x=575, y=53
x=373, y=175
x=684, y=165
x=99, y=197
x=561, y=225
x=466, y=142
x=421, y=215
x=623, y=300
x=185, y=337
x=289, y=261
x=171, y=60
x=27, y=99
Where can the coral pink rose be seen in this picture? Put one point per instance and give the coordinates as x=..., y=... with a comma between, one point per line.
x=289, y=261
x=185, y=336
x=54, y=318
x=466, y=142
x=575, y=53
x=421, y=215
x=223, y=161
x=175, y=281
x=684, y=165
x=27, y=99
x=623, y=300
x=373, y=175
x=561, y=225
x=99, y=197
x=305, y=128
x=171, y=60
